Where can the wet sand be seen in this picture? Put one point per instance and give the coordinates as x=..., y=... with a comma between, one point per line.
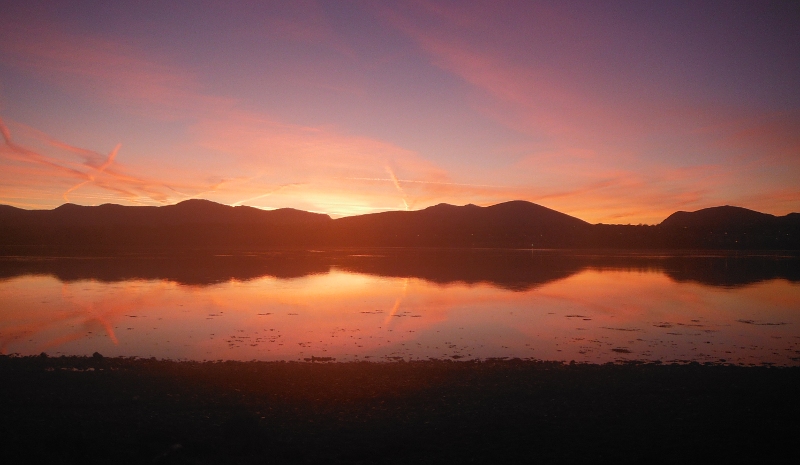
x=124, y=410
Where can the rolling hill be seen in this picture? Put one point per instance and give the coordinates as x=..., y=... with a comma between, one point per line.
x=515, y=224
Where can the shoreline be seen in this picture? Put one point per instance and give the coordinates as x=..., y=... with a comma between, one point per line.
x=132, y=410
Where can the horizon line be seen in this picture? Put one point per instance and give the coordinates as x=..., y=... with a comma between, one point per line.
x=387, y=210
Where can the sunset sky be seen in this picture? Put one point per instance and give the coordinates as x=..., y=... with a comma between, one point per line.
x=615, y=112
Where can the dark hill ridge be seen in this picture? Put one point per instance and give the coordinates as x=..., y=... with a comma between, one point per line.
x=509, y=224
x=515, y=224
x=192, y=223
x=725, y=217
x=731, y=227
x=194, y=211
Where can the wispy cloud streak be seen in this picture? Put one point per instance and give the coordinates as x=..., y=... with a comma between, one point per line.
x=94, y=170
x=574, y=132
x=91, y=177
x=397, y=186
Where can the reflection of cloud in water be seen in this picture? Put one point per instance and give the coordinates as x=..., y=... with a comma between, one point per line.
x=77, y=312
x=591, y=315
x=396, y=306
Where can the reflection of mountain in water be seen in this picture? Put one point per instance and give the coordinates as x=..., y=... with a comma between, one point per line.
x=509, y=269
x=203, y=269
x=732, y=270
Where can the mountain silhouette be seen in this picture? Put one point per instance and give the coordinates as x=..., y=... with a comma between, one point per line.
x=194, y=211
x=202, y=224
x=726, y=217
x=192, y=223
x=511, y=224
x=731, y=227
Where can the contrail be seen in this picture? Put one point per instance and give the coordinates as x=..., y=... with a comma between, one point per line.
x=110, y=160
x=6, y=134
x=99, y=169
x=76, y=186
x=33, y=156
x=282, y=186
x=96, y=164
x=30, y=155
x=443, y=183
x=397, y=185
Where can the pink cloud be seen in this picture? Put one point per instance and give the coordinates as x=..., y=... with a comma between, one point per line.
x=607, y=154
x=592, y=156
x=92, y=64
x=29, y=174
x=248, y=141
x=313, y=160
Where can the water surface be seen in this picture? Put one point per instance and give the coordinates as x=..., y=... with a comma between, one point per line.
x=406, y=304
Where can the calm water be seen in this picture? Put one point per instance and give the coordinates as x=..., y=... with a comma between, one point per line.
x=409, y=304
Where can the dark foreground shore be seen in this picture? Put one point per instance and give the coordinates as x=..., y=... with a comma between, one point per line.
x=114, y=410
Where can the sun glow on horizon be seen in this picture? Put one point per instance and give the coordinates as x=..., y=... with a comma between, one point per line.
x=584, y=110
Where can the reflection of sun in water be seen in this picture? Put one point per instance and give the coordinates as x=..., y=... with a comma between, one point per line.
x=591, y=316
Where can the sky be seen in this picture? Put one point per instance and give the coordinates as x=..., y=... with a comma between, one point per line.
x=613, y=112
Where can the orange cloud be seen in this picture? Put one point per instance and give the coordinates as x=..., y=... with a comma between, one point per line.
x=596, y=155
x=28, y=174
x=314, y=161
x=605, y=155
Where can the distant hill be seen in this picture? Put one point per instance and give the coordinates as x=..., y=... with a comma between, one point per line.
x=727, y=217
x=193, y=211
x=509, y=224
x=515, y=224
x=731, y=227
x=192, y=223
